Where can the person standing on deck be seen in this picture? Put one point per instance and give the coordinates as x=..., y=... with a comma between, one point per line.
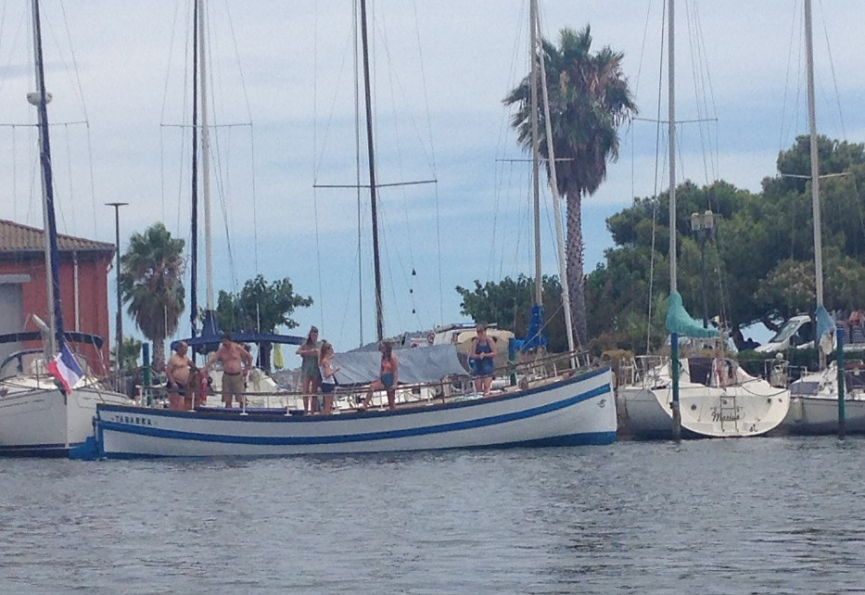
x=482, y=354
x=309, y=373
x=388, y=377
x=236, y=362
x=328, y=376
x=177, y=376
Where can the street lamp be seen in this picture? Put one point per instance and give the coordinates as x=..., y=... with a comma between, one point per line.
x=703, y=226
x=119, y=324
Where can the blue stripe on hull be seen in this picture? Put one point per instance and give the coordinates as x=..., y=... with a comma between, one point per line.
x=350, y=438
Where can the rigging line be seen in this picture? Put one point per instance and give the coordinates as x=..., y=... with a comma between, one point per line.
x=786, y=85
x=716, y=163
x=357, y=149
x=252, y=135
x=12, y=45
x=832, y=70
x=696, y=63
x=435, y=168
x=14, y=173
x=656, y=199
x=69, y=173
x=314, y=146
x=77, y=77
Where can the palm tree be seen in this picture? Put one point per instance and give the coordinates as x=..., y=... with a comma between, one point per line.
x=151, y=283
x=589, y=100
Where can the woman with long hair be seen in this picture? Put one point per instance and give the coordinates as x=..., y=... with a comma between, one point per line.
x=309, y=374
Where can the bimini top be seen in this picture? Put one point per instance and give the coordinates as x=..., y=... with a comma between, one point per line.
x=72, y=337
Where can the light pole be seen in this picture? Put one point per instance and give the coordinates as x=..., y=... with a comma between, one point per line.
x=119, y=323
x=702, y=226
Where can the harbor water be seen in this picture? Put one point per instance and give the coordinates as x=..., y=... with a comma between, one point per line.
x=759, y=515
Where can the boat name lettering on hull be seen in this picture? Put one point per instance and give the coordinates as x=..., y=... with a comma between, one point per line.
x=131, y=419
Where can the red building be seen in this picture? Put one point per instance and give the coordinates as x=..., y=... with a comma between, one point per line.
x=84, y=266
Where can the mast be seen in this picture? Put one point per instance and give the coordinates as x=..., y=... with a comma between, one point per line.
x=379, y=323
x=533, y=20
x=205, y=156
x=357, y=173
x=671, y=130
x=815, y=164
x=52, y=271
x=554, y=185
x=193, y=250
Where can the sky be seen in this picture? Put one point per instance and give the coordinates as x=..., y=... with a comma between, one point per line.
x=282, y=111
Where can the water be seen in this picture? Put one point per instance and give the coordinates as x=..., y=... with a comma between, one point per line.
x=740, y=516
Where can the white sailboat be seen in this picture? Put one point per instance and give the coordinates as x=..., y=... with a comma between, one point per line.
x=564, y=407
x=815, y=406
x=38, y=416
x=702, y=396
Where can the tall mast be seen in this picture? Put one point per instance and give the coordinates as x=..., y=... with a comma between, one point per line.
x=536, y=192
x=193, y=251
x=379, y=322
x=357, y=172
x=815, y=169
x=205, y=155
x=815, y=164
x=671, y=130
x=52, y=272
x=554, y=186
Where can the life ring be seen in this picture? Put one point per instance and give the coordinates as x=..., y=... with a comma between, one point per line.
x=430, y=337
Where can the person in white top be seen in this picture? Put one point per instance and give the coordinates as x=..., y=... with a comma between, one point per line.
x=328, y=376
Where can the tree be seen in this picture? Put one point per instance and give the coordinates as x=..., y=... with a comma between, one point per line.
x=589, y=100
x=151, y=284
x=260, y=307
x=130, y=351
x=508, y=305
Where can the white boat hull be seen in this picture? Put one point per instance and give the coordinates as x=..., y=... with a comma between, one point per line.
x=41, y=421
x=579, y=410
x=750, y=408
x=819, y=416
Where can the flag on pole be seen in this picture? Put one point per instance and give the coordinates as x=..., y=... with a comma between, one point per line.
x=65, y=369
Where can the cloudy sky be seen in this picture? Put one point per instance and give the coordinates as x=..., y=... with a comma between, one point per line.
x=283, y=111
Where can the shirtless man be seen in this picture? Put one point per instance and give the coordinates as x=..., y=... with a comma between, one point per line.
x=177, y=374
x=236, y=362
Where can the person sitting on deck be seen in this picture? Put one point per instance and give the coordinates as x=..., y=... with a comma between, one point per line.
x=236, y=362
x=388, y=377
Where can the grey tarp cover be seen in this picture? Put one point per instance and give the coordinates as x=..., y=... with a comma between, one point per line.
x=421, y=364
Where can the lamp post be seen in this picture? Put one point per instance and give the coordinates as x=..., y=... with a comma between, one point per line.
x=703, y=226
x=119, y=323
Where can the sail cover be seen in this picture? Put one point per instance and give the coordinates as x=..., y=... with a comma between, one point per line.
x=680, y=322
x=421, y=364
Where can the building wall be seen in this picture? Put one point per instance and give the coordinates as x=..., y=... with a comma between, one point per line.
x=92, y=314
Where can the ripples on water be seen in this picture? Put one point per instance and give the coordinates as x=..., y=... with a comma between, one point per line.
x=746, y=516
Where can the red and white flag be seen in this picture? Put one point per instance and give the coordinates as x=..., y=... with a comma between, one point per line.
x=65, y=369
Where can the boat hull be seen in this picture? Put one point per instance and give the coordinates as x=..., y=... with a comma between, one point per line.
x=43, y=422
x=710, y=412
x=819, y=416
x=579, y=410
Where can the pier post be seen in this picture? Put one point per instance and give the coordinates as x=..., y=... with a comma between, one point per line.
x=839, y=365
x=674, y=371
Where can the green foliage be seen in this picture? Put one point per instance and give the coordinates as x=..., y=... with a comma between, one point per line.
x=509, y=304
x=260, y=306
x=130, y=352
x=760, y=261
x=151, y=284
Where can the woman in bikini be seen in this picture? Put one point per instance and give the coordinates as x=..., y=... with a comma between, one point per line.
x=388, y=377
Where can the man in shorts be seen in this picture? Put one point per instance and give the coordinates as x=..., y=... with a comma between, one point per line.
x=236, y=362
x=177, y=374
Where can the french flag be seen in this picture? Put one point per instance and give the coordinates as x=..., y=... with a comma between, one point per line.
x=65, y=369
